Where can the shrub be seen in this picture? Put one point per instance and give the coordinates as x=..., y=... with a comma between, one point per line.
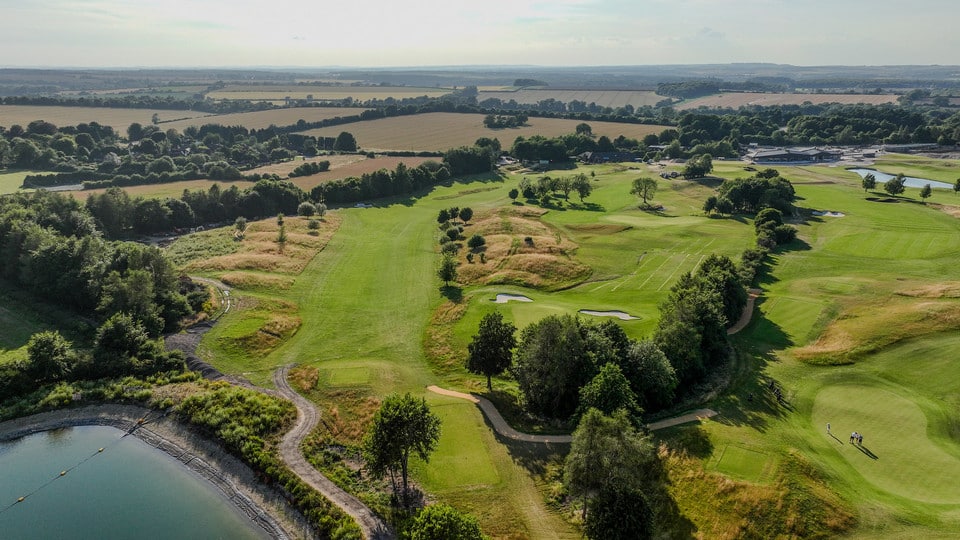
x=476, y=242
x=306, y=209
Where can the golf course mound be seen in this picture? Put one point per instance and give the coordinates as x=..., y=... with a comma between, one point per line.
x=896, y=455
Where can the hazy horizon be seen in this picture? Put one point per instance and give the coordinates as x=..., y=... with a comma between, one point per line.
x=295, y=34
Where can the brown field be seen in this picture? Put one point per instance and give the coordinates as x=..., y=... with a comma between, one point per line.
x=118, y=119
x=358, y=93
x=735, y=100
x=340, y=167
x=442, y=131
x=173, y=189
x=263, y=119
x=357, y=168
x=603, y=98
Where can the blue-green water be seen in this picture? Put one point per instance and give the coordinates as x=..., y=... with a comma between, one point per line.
x=130, y=490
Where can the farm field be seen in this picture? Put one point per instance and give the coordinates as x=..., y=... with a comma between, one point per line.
x=323, y=92
x=442, y=131
x=118, y=119
x=735, y=100
x=10, y=182
x=603, y=98
x=264, y=119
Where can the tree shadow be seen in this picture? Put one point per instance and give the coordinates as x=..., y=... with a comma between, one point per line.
x=452, y=293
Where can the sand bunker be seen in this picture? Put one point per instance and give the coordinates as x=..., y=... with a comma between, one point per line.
x=827, y=213
x=618, y=314
x=504, y=298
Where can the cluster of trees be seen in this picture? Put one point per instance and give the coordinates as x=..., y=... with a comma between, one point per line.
x=698, y=166
x=312, y=167
x=689, y=89
x=546, y=186
x=692, y=330
x=766, y=189
x=53, y=251
x=564, y=366
x=501, y=121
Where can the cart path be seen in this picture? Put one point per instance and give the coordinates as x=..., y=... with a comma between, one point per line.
x=747, y=314
x=308, y=417
x=503, y=428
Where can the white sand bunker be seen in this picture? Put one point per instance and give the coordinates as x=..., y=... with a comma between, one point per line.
x=827, y=213
x=618, y=314
x=504, y=298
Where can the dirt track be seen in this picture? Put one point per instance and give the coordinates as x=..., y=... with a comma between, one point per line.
x=307, y=419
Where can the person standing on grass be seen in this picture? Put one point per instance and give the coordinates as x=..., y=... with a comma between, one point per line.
x=828, y=428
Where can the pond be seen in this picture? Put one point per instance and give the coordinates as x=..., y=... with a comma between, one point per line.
x=128, y=490
x=909, y=181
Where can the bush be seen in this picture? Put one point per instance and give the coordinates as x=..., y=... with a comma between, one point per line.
x=476, y=242
x=449, y=247
x=313, y=224
x=453, y=233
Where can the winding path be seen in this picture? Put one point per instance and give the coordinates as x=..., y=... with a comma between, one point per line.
x=307, y=419
x=503, y=428
x=747, y=314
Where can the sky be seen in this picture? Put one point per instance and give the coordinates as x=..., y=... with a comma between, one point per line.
x=395, y=33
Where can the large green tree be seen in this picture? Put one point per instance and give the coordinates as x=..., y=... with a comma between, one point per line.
x=609, y=392
x=869, y=182
x=651, y=376
x=491, y=351
x=618, y=513
x=608, y=451
x=403, y=426
x=644, y=188
x=50, y=356
x=551, y=364
x=345, y=142
x=895, y=185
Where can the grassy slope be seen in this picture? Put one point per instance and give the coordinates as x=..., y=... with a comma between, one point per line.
x=364, y=302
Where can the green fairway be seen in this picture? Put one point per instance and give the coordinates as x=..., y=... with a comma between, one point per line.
x=365, y=304
x=10, y=182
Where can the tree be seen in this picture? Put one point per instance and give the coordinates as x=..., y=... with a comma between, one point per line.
x=609, y=392
x=118, y=340
x=710, y=204
x=925, y=192
x=448, y=269
x=724, y=206
x=513, y=194
x=491, y=351
x=651, y=376
x=584, y=128
x=581, y=184
x=894, y=186
x=644, y=188
x=306, y=209
x=698, y=166
x=551, y=364
x=956, y=186
x=476, y=242
x=618, y=513
x=443, y=522
x=466, y=214
x=240, y=224
x=403, y=426
x=443, y=216
x=869, y=182
x=608, y=451
x=345, y=142
x=768, y=217
x=50, y=356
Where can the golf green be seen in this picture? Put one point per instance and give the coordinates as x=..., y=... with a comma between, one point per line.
x=896, y=455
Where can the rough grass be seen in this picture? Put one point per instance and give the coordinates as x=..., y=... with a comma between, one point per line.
x=259, y=250
x=520, y=250
x=255, y=281
x=260, y=326
x=10, y=182
x=117, y=118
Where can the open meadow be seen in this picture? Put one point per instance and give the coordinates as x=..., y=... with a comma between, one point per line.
x=442, y=131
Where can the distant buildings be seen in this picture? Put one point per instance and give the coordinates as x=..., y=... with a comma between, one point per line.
x=794, y=155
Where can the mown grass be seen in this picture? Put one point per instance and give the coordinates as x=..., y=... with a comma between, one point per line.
x=372, y=311
x=10, y=182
